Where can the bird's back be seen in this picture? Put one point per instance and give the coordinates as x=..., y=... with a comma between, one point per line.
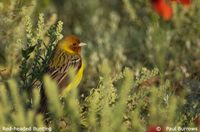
x=59, y=70
x=60, y=66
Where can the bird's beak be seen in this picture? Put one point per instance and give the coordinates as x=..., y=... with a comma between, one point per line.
x=82, y=44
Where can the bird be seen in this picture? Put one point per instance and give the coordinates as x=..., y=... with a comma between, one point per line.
x=65, y=58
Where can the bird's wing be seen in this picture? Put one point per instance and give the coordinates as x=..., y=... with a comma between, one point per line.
x=60, y=65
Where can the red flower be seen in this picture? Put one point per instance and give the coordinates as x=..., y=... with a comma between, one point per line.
x=162, y=8
x=154, y=128
x=184, y=2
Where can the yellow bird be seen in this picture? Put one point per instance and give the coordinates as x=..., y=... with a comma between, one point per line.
x=66, y=57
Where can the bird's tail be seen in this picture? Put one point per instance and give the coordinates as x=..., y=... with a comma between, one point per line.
x=43, y=106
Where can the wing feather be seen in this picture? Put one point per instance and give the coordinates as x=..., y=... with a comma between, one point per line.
x=60, y=71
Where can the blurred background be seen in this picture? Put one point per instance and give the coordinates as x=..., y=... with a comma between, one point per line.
x=126, y=33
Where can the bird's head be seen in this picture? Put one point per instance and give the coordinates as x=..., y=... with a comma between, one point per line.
x=71, y=44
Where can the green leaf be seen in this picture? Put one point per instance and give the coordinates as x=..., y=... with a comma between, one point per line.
x=26, y=53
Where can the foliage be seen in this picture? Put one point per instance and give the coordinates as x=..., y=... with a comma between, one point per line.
x=122, y=107
x=12, y=13
x=139, y=69
x=36, y=53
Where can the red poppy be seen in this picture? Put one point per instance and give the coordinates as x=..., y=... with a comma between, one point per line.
x=154, y=128
x=162, y=8
x=184, y=2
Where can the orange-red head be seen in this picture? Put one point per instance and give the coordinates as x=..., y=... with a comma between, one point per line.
x=71, y=44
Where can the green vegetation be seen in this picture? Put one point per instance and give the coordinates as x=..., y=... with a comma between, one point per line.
x=141, y=71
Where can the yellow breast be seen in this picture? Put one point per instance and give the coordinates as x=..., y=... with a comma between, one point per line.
x=75, y=81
